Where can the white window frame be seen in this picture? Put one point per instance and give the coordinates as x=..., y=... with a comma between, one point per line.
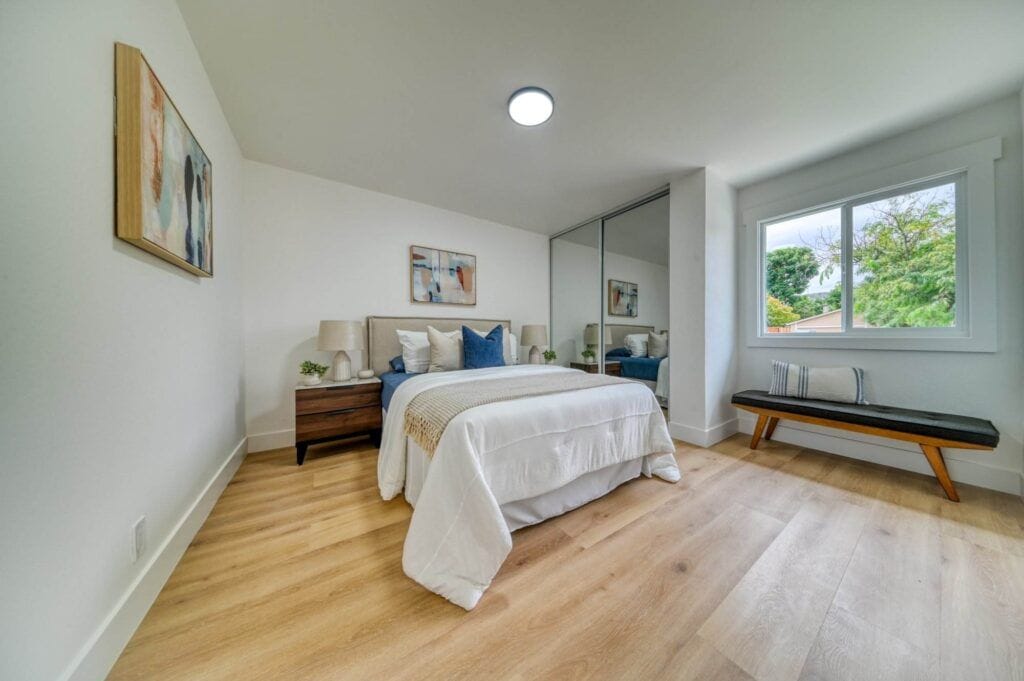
x=972, y=167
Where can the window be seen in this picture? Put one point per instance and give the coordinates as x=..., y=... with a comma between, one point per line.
x=889, y=262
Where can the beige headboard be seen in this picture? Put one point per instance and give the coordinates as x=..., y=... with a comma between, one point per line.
x=382, y=339
x=620, y=331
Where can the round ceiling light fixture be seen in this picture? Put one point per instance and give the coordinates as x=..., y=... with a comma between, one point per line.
x=530, y=106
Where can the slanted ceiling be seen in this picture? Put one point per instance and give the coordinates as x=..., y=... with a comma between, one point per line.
x=408, y=97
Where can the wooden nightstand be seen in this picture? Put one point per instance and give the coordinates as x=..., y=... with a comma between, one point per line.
x=335, y=410
x=610, y=368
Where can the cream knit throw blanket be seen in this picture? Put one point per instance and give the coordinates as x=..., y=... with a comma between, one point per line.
x=429, y=413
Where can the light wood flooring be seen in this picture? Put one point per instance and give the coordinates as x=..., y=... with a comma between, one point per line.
x=774, y=564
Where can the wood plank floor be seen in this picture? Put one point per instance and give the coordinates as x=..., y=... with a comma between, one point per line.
x=775, y=564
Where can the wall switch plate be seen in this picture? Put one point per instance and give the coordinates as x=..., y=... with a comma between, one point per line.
x=138, y=538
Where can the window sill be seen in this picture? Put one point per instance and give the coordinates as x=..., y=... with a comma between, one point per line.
x=891, y=343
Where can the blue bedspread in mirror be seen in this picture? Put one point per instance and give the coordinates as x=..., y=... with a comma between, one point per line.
x=644, y=368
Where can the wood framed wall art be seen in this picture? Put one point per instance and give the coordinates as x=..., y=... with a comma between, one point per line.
x=442, y=276
x=623, y=298
x=163, y=177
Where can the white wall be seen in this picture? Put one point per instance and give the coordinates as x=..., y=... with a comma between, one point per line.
x=577, y=293
x=987, y=385
x=120, y=375
x=317, y=249
x=721, y=340
x=702, y=246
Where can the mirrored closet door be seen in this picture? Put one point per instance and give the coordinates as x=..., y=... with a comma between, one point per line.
x=576, y=298
x=610, y=293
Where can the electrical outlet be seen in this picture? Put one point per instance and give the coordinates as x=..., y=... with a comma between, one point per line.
x=138, y=538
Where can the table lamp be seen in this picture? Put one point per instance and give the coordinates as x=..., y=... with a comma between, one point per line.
x=340, y=336
x=534, y=335
x=590, y=338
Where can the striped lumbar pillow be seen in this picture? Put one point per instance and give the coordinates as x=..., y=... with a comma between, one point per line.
x=840, y=384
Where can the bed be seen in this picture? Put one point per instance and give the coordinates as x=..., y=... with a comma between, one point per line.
x=652, y=372
x=504, y=465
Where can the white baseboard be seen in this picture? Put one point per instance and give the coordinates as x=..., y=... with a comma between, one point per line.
x=702, y=437
x=889, y=453
x=101, y=651
x=261, y=442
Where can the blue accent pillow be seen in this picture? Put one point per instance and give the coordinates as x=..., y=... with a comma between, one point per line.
x=480, y=352
x=397, y=364
x=617, y=352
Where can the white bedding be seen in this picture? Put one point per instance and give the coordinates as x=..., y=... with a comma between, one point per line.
x=661, y=390
x=497, y=454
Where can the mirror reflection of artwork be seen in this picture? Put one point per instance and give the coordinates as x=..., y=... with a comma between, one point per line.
x=165, y=195
x=442, y=276
x=622, y=298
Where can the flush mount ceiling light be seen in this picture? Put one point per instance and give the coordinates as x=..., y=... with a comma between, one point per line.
x=530, y=106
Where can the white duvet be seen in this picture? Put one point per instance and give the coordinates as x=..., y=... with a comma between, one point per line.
x=509, y=451
x=661, y=390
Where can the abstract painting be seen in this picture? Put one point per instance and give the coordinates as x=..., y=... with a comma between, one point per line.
x=442, y=276
x=622, y=298
x=164, y=178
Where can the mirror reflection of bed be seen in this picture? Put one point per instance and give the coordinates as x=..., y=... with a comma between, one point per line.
x=614, y=270
x=643, y=368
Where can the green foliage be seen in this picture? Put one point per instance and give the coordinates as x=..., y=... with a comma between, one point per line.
x=805, y=306
x=309, y=368
x=834, y=299
x=908, y=257
x=777, y=313
x=789, y=271
x=588, y=354
x=550, y=355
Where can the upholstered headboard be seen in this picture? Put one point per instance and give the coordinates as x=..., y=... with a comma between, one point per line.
x=382, y=336
x=621, y=331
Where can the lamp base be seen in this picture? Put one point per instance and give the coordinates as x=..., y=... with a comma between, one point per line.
x=341, y=367
x=534, y=355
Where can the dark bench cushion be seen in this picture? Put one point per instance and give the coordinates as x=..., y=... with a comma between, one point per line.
x=943, y=426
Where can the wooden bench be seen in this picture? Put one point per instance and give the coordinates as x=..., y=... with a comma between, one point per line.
x=929, y=430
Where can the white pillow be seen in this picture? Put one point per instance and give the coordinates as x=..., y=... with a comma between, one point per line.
x=834, y=384
x=657, y=345
x=445, y=350
x=636, y=343
x=514, y=342
x=415, y=351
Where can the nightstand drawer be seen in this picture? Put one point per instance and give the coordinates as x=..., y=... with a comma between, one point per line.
x=320, y=400
x=337, y=422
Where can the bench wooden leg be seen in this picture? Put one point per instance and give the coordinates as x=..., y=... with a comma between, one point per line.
x=934, y=456
x=762, y=421
x=772, y=422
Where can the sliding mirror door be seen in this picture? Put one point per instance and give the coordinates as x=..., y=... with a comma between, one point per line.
x=576, y=298
x=636, y=290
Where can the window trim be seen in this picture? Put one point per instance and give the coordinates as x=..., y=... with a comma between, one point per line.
x=972, y=167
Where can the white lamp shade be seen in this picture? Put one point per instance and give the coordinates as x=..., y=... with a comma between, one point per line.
x=340, y=335
x=590, y=335
x=534, y=334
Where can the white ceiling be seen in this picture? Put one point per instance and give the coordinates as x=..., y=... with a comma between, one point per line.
x=408, y=97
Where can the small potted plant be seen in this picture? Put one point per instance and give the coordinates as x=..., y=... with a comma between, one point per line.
x=549, y=356
x=312, y=372
x=588, y=356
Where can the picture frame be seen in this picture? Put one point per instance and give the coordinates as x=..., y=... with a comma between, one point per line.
x=623, y=298
x=163, y=177
x=438, y=276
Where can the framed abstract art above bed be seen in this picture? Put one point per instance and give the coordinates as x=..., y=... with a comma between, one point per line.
x=442, y=276
x=622, y=298
x=163, y=177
